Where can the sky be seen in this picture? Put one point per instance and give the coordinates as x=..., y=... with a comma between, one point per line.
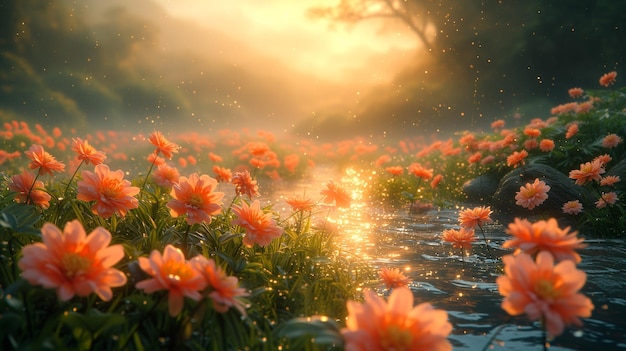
x=281, y=29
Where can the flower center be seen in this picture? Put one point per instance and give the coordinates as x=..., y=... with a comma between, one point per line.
x=110, y=188
x=74, y=263
x=196, y=200
x=545, y=289
x=177, y=271
x=396, y=338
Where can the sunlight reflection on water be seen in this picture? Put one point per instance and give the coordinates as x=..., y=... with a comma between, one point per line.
x=465, y=286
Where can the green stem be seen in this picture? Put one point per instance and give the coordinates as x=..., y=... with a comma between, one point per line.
x=149, y=171
x=32, y=186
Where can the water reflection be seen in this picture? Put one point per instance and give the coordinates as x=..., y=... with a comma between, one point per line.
x=465, y=285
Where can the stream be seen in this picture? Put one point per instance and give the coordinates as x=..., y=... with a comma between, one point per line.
x=465, y=286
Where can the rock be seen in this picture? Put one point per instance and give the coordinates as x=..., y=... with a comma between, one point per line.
x=481, y=188
x=562, y=189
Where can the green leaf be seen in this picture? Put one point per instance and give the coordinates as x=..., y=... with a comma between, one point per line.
x=319, y=330
x=20, y=219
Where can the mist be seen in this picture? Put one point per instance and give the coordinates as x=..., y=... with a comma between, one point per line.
x=209, y=65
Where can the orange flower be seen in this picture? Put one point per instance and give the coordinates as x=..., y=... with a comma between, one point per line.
x=609, y=180
x=393, y=278
x=245, y=185
x=195, y=196
x=573, y=207
x=110, y=191
x=155, y=159
x=224, y=290
x=475, y=157
x=516, y=157
x=588, y=172
x=420, y=172
x=546, y=145
x=611, y=141
x=86, y=152
x=335, y=193
x=571, y=130
x=608, y=78
x=544, y=236
x=532, y=194
x=603, y=159
x=575, y=92
x=43, y=161
x=477, y=216
x=72, y=262
x=532, y=132
x=164, y=146
x=259, y=226
x=606, y=199
x=27, y=192
x=300, y=203
x=172, y=272
x=436, y=180
x=215, y=158
x=461, y=238
x=497, y=124
x=544, y=291
x=166, y=176
x=395, y=325
x=222, y=175
x=394, y=170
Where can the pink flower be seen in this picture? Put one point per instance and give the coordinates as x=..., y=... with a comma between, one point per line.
x=544, y=236
x=166, y=176
x=608, y=78
x=532, y=194
x=606, y=199
x=110, y=191
x=224, y=290
x=572, y=207
x=337, y=194
x=86, y=152
x=516, y=158
x=43, y=161
x=245, y=185
x=72, y=262
x=544, y=291
x=195, y=197
x=396, y=325
x=588, y=171
x=610, y=141
x=472, y=217
x=260, y=228
x=575, y=92
x=172, y=272
x=27, y=192
x=163, y=146
x=393, y=278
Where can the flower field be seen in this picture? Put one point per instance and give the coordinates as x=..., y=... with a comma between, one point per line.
x=113, y=240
